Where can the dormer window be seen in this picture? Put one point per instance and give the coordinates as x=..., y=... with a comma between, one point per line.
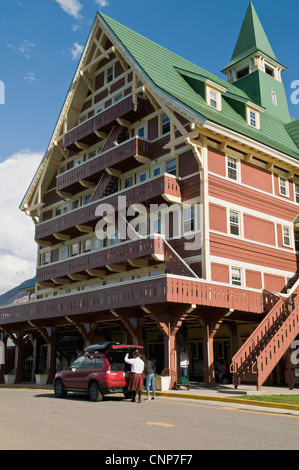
x=214, y=98
x=269, y=70
x=253, y=118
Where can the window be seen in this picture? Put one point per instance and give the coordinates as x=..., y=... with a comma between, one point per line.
x=140, y=132
x=65, y=208
x=283, y=186
x=274, y=98
x=75, y=249
x=99, y=110
x=269, y=70
x=97, y=243
x=286, y=233
x=78, y=162
x=214, y=98
x=232, y=168
x=156, y=225
x=87, y=198
x=58, y=211
x=242, y=73
x=110, y=75
x=92, y=154
x=142, y=177
x=171, y=167
x=118, y=98
x=46, y=257
x=63, y=252
x=75, y=204
x=87, y=245
x=236, y=276
x=296, y=240
x=129, y=182
x=188, y=219
x=297, y=192
x=234, y=222
x=158, y=170
x=252, y=118
x=165, y=124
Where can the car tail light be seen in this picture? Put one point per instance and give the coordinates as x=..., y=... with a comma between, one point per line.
x=107, y=374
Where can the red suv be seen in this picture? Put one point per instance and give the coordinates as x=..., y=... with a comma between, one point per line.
x=99, y=371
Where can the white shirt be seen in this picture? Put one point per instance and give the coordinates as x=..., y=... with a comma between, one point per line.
x=137, y=365
x=184, y=359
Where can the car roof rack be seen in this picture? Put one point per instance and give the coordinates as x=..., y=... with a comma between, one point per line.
x=100, y=347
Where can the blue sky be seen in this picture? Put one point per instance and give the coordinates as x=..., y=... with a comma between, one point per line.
x=40, y=46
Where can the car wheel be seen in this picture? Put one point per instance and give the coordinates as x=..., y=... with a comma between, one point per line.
x=59, y=389
x=94, y=392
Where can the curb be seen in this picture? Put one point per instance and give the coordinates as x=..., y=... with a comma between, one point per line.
x=241, y=401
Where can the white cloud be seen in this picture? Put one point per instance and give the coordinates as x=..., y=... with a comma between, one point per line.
x=17, y=245
x=26, y=47
x=76, y=51
x=72, y=7
x=101, y=3
x=30, y=78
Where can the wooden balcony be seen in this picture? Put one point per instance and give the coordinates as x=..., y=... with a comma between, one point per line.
x=118, y=256
x=85, y=132
x=157, y=190
x=122, y=157
x=158, y=290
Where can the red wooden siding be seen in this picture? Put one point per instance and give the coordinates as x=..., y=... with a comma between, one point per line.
x=273, y=283
x=216, y=161
x=218, y=218
x=259, y=230
x=253, y=279
x=220, y=272
x=256, y=177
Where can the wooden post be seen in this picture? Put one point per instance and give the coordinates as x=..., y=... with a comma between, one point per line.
x=211, y=322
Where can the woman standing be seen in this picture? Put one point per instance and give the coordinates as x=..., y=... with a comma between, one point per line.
x=149, y=369
x=137, y=368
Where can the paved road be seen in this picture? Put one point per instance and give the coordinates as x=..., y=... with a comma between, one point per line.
x=36, y=420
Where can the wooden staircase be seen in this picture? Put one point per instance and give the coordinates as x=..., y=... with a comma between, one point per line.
x=270, y=340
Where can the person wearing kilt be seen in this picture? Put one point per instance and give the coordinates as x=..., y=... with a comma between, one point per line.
x=137, y=368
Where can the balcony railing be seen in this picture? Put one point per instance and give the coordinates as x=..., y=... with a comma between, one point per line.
x=164, y=288
x=119, y=253
x=96, y=165
x=100, y=122
x=150, y=190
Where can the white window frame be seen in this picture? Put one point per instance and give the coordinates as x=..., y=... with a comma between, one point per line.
x=140, y=175
x=253, y=122
x=109, y=74
x=188, y=218
x=229, y=167
x=233, y=270
x=282, y=187
x=274, y=98
x=215, y=100
x=287, y=236
x=166, y=165
x=233, y=224
x=165, y=125
x=159, y=168
x=296, y=192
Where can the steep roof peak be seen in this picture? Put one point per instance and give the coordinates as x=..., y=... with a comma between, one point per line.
x=252, y=38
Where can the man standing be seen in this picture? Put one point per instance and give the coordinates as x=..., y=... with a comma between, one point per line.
x=184, y=363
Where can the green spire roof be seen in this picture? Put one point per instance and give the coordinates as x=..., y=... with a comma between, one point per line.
x=252, y=38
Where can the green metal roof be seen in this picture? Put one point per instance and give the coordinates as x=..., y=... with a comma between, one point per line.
x=165, y=70
x=252, y=38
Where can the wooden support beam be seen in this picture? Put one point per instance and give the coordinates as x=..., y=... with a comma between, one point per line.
x=62, y=236
x=64, y=194
x=78, y=277
x=61, y=280
x=87, y=184
x=96, y=272
x=85, y=228
x=118, y=268
x=81, y=146
x=138, y=263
